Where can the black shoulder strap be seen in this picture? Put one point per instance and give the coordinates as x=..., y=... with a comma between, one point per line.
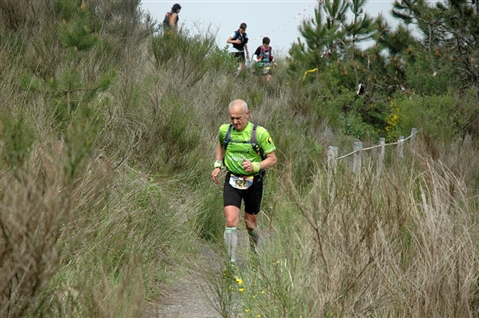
x=253, y=140
x=254, y=143
x=166, y=20
x=235, y=36
x=227, y=137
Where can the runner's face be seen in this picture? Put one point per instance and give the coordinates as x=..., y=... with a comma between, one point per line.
x=239, y=118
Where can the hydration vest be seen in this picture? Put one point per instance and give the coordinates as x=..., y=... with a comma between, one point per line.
x=265, y=57
x=253, y=141
x=242, y=37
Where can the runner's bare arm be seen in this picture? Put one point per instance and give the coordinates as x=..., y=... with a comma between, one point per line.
x=266, y=163
x=220, y=152
x=269, y=161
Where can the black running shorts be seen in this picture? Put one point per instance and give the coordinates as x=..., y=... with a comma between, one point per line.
x=239, y=55
x=251, y=196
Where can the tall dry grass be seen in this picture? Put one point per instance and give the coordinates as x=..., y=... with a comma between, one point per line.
x=43, y=212
x=402, y=245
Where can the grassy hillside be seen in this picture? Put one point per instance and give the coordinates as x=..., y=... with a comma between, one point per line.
x=107, y=138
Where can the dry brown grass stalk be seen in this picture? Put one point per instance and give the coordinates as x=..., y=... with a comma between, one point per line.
x=401, y=245
x=40, y=211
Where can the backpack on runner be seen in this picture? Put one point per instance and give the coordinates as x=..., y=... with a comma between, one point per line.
x=263, y=62
x=166, y=20
x=243, y=37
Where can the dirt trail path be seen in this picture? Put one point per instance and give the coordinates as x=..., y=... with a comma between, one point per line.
x=188, y=300
x=191, y=296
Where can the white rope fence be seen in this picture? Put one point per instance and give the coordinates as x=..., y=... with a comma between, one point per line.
x=357, y=153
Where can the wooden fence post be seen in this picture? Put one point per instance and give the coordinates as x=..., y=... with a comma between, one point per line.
x=332, y=158
x=357, y=152
x=332, y=164
x=382, y=151
x=358, y=149
x=400, y=148
x=413, y=133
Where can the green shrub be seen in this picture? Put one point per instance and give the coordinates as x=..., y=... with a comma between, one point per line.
x=17, y=140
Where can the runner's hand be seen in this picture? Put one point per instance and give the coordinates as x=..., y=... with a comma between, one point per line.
x=214, y=175
x=247, y=165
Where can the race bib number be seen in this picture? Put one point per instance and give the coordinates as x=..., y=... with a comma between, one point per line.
x=241, y=182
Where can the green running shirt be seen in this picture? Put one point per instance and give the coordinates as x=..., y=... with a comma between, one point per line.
x=240, y=147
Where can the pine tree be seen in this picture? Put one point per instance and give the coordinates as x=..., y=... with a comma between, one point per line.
x=449, y=34
x=330, y=37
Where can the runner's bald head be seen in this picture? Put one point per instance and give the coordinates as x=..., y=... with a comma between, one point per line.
x=239, y=103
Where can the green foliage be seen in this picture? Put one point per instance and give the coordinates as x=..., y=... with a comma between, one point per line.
x=74, y=89
x=171, y=45
x=122, y=22
x=17, y=139
x=176, y=134
x=450, y=33
x=189, y=56
x=426, y=78
x=67, y=9
x=80, y=137
x=170, y=138
x=148, y=225
x=329, y=37
x=353, y=125
x=424, y=110
x=306, y=56
x=222, y=61
x=210, y=224
x=77, y=35
x=299, y=150
x=362, y=27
